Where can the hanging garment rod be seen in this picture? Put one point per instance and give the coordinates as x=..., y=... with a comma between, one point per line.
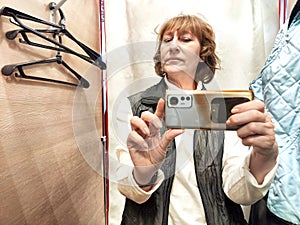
x=58, y=5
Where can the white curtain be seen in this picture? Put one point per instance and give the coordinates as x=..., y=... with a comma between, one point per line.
x=245, y=31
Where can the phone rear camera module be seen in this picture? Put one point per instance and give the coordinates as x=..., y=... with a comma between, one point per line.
x=179, y=101
x=174, y=100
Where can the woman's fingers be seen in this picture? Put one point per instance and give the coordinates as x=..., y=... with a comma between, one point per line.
x=247, y=106
x=140, y=126
x=169, y=136
x=145, y=133
x=257, y=129
x=149, y=123
x=160, y=109
x=248, y=112
x=146, y=125
x=246, y=117
x=257, y=134
x=136, y=142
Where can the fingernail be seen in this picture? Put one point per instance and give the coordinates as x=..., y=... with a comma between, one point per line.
x=234, y=110
x=145, y=145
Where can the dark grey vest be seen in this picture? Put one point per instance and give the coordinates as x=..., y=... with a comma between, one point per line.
x=219, y=210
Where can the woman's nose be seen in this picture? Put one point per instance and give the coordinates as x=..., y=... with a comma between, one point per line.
x=174, y=47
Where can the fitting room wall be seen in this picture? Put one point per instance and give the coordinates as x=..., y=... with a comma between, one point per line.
x=45, y=177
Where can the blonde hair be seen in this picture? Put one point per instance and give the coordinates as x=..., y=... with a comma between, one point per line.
x=204, y=33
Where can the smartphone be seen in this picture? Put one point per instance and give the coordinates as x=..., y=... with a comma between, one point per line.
x=202, y=109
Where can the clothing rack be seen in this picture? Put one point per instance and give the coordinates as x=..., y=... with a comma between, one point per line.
x=58, y=5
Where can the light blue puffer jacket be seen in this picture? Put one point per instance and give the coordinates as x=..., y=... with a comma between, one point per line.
x=279, y=87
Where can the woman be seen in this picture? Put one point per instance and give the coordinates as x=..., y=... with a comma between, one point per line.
x=192, y=177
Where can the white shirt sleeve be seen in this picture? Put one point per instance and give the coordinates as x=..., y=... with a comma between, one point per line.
x=238, y=182
x=129, y=188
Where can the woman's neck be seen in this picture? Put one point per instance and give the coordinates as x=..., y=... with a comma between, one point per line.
x=184, y=82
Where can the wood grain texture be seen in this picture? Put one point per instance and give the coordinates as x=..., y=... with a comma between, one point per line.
x=44, y=175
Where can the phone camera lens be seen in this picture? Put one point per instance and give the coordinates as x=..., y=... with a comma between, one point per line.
x=188, y=98
x=174, y=101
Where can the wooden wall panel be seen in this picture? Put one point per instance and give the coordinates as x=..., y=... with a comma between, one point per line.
x=44, y=176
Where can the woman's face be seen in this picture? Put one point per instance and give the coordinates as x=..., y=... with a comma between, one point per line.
x=179, y=53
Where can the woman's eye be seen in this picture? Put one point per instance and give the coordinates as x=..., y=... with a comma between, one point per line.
x=186, y=39
x=166, y=40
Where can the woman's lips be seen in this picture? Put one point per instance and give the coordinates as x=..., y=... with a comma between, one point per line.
x=175, y=59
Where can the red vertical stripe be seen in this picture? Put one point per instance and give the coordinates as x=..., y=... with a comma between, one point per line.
x=282, y=11
x=104, y=115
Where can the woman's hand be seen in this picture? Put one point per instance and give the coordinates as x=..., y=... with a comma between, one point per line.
x=146, y=146
x=257, y=130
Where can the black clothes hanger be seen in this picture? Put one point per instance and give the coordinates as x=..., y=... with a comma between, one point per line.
x=57, y=29
x=8, y=70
